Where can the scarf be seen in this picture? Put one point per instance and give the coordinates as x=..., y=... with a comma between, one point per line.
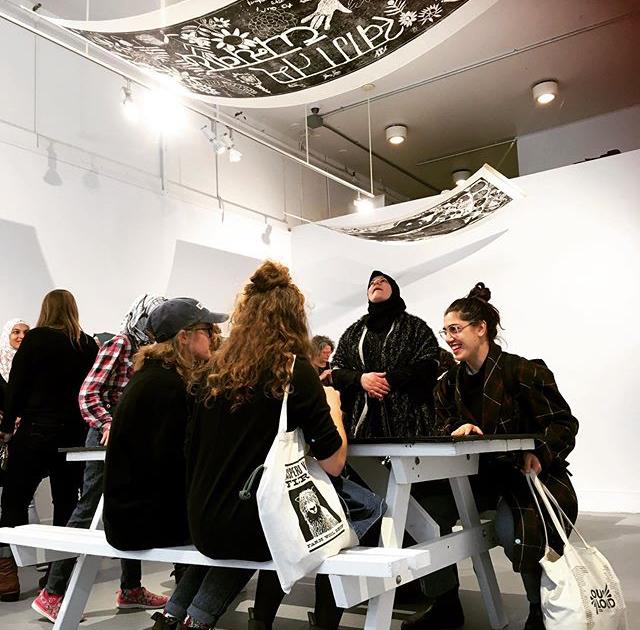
x=6, y=351
x=382, y=314
x=135, y=322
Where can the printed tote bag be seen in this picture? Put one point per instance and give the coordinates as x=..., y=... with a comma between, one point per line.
x=579, y=590
x=301, y=514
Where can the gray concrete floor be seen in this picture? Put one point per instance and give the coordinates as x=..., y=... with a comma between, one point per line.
x=616, y=535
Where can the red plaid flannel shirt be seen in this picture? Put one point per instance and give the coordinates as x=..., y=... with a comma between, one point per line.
x=103, y=386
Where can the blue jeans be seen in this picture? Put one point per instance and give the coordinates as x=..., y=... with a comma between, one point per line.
x=60, y=571
x=204, y=593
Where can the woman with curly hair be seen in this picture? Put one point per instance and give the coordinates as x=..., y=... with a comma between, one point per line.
x=232, y=433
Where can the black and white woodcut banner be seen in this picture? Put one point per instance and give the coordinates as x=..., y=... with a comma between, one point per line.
x=481, y=195
x=265, y=53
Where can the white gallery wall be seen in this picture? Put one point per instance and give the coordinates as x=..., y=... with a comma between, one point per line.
x=95, y=204
x=562, y=265
x=575, y=142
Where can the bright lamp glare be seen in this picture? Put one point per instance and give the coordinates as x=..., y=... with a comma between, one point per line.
x=396, y=139
x=234, y=155
x=363, y=205
x=163, y=112
x=130, y=110
x=543, y=99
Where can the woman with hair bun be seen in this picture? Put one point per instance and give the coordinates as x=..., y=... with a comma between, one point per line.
x=491, y=391
x=232, y=431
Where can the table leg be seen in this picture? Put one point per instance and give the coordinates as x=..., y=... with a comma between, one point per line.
x=75, y=600
x=482, y=565
x=96, y=521
x=380, y=608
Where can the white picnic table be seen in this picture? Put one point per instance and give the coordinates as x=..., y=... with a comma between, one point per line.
x=429, y=459
x=390, y=467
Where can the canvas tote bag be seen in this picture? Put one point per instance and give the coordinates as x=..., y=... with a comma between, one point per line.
x=579, y=590
x=301, y=514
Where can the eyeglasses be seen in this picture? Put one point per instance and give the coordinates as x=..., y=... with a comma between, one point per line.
x=207, y=330
x=453, y=330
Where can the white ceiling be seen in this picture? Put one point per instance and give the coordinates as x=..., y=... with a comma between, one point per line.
x=473, y=90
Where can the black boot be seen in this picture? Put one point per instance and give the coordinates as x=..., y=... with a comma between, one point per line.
x=327, y=624
x=535, y=620
x=444, y=613
x=164, y=622
x=255, y=624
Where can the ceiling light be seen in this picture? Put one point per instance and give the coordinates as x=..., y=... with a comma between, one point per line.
x=461, y=176
x=545, y=92
x=396, y=134
x=234, y=155
x=363, y=204
x=129, y=106
x=219, y=146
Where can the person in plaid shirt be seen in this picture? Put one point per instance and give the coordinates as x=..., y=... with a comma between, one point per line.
x=494, y=392
x=98, y=397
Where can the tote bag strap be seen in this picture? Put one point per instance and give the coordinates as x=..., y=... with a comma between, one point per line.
x=246, y=492
x=282, y=424
x=538, y=489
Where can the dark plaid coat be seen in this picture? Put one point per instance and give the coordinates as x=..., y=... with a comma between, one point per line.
x=519, y=396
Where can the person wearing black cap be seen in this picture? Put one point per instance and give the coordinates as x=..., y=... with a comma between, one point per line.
x=385, y=367
x=144, y=476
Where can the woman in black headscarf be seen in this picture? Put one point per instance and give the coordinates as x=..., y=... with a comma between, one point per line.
x=385, y=368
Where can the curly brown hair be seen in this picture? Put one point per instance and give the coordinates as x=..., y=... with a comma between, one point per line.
x=268, y=326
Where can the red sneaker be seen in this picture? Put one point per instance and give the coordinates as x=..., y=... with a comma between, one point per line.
x=47, y=605
x=140, y=598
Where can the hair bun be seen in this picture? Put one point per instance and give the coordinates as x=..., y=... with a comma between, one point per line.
x=480, y=291
x=270, y=275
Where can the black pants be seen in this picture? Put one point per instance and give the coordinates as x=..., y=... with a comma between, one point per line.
x=33, y=455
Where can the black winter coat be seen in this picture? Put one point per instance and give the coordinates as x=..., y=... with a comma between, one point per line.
x=145, y=499
x=410, y=358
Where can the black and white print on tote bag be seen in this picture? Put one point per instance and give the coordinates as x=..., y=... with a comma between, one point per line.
x=319, y=524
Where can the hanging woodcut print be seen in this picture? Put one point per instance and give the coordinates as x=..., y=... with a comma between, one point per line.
x=482, y=194
x=265, y=53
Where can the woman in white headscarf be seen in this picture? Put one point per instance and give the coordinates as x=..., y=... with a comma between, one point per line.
x=11, y=337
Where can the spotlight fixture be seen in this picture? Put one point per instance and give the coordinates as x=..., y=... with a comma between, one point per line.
x=266, y=235
x=234, y=154
x=461, y=176
x=545, y=91
x=129, y=106
x=219, y=144
x=396, y=134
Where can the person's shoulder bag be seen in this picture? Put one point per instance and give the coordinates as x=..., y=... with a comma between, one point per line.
x=300, y=511
x=579, y=590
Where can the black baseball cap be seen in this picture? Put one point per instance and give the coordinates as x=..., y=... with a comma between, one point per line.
x=173, y=315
